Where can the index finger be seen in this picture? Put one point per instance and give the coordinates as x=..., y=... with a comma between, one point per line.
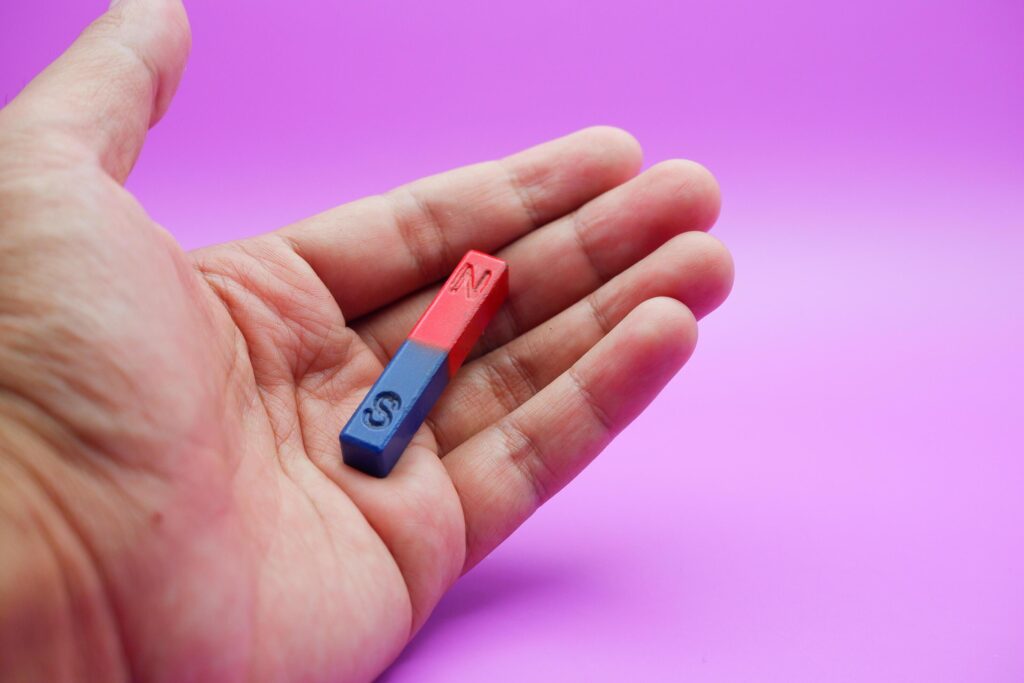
x=376, y=250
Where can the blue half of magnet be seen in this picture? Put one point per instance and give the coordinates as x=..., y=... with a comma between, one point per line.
x=384, y=423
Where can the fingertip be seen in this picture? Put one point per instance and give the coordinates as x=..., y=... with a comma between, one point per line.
x=666, y=327
x=173, y=43
x=627, y=369
x=693, y=186
x=617, y=145
x=158, y=34
x=176, y=15
x=710, y=270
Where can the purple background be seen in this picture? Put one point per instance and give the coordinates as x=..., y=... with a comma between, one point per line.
x=841, y=466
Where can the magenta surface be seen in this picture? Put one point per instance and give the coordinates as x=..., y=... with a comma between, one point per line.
x=840, y=487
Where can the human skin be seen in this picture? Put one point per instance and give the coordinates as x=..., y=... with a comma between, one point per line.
x=173, y=503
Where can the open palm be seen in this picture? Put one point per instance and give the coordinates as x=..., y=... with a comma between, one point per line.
x=171, y=475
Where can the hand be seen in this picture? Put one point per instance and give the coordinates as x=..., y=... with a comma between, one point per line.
x=173, y=503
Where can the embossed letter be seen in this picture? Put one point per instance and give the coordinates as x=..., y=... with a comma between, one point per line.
x=466, y=275
x=382, y=413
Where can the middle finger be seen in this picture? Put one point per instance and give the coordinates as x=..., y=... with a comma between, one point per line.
x=559, y=264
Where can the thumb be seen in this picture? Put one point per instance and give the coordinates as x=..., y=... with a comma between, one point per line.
x=114, y=82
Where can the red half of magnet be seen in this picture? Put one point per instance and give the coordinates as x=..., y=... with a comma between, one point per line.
x=459, y=313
